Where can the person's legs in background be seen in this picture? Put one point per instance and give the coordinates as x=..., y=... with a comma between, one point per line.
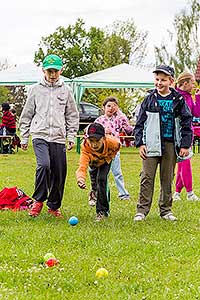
x=119, y=180
x=184, y=179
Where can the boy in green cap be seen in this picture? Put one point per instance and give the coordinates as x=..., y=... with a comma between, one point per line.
x=50, y=115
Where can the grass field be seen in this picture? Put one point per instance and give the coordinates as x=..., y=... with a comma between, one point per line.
x=154, y=259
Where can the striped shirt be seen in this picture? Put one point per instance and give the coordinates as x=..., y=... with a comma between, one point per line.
x=8, y=120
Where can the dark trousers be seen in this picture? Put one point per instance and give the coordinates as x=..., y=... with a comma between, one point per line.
x=167, y=164
x=50, y=172
x=99, y=179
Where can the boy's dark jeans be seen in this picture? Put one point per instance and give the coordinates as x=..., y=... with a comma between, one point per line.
x=99, y=179
x=167, y=164
x=50, y=173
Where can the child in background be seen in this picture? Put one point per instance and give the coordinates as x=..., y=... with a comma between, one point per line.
x=97, y=152
x=114, y=121
x=185, y=85
x=8, y=120
x=155, y=135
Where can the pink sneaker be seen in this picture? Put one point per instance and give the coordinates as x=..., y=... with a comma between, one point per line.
x=56, y=213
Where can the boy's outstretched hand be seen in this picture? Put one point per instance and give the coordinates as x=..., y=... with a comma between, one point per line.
x=81, y=183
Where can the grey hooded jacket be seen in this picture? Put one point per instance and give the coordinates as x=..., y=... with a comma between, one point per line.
x=50, y=113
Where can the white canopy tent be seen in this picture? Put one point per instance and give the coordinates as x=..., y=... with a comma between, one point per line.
x=24, y=74
x=120, y=76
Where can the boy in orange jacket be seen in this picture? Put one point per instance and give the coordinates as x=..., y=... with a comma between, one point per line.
x=97, y=151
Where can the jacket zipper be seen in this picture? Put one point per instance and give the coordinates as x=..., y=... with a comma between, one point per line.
x=51, y=114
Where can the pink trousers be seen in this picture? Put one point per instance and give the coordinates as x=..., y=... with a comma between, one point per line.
x=184, y=176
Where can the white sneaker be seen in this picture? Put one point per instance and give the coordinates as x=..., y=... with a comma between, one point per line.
x=169, y=217
x=192, y=197
x=176, y=196
x=125, y=197
x=139, y=217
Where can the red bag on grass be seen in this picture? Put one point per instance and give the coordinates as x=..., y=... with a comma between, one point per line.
x=14, y=198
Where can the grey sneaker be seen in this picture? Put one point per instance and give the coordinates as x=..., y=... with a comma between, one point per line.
x=139, y=217
x=192, y=197
x=176, y=196
x=169, y=217
x=92, y=198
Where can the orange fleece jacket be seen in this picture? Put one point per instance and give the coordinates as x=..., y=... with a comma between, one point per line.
x=91, y=158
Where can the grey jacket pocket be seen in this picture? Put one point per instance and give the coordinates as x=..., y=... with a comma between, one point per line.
x=153, y=134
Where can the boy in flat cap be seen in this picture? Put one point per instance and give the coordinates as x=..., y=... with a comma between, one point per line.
x=163, y=126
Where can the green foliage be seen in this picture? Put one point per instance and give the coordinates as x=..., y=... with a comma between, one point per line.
x=18, y=96
x=128, y=98
x=86, y=51
x=4, y=94
x=151, y=260
x=186, y=40
x=128, y=41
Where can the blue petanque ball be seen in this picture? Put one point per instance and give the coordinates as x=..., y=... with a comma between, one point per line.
x=73, y=221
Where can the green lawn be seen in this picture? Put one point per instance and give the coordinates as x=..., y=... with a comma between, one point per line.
x=154, y=259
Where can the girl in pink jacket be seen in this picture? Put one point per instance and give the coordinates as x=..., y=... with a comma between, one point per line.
x=185, y=85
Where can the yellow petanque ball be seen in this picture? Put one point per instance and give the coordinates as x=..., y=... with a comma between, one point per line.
x=102, y=272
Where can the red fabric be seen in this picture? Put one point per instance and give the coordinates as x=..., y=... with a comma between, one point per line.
x=8, y=120
x=14, y=198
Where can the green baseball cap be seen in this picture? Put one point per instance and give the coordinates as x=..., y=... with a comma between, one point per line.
x=52, y=61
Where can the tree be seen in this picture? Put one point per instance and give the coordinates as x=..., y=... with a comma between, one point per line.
x=4, y=94
x=4, y=91
x=4, y=64
x=85, y=51
x=128, y=42
x=186, y=39
x=74, y=45
x=17, y=96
